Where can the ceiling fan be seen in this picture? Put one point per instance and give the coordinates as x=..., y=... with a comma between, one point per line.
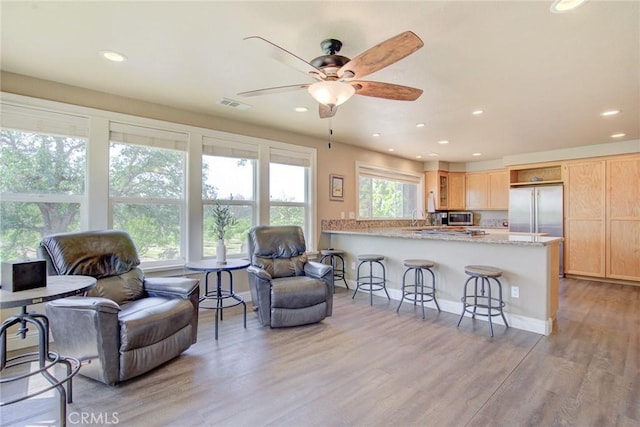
x=338, y=77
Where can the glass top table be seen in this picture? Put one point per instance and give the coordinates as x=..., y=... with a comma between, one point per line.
x=57, y=287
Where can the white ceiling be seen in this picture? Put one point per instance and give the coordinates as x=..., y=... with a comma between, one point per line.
x=542, y=79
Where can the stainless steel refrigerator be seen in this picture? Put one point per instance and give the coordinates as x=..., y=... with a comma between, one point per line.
x=537, y=209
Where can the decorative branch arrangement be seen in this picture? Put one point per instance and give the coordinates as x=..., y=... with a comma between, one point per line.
x=223, y=218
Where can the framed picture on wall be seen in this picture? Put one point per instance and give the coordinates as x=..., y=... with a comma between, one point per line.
x=336, y=187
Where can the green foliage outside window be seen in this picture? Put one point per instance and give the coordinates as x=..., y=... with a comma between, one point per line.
x=381, y=198
x=52, y=167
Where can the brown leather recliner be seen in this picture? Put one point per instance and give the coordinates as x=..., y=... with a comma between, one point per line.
x=128, y=324
x=288, y=289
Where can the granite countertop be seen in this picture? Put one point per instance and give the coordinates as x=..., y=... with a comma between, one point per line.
x=500, y=237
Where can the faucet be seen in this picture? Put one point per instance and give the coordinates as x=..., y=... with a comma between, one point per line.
x=414, y=218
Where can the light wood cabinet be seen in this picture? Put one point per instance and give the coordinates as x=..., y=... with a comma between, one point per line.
x=499, y=190
x=487, y=190
x=477, y=194
x=540, y=173
x=457, y=190
x=602, y=221
x=623, y=218
x=437, y=183
x=585, y=192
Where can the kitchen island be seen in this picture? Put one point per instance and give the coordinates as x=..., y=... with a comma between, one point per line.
x=530, y=262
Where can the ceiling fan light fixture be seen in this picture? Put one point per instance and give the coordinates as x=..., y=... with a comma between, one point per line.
x=331, y=93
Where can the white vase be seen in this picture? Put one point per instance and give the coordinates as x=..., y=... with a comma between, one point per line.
x=221, y=252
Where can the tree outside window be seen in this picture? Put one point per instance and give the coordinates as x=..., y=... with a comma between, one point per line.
x=42, y=187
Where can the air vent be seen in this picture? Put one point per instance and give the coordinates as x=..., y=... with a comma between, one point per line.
x=234, y=104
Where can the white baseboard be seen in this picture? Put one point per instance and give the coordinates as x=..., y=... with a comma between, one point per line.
x=15, y=342
x=515, y=320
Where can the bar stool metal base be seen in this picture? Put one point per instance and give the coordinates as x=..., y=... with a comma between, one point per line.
x=481, y=298
x=337, y=263
x=371, y=282
x=418, y=292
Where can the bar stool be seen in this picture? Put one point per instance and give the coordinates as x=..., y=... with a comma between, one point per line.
x=338, y=268
x=418, y=292
x=371, y=282
x=472, y=301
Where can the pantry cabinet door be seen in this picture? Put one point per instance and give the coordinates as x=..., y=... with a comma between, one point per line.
x=623, y=218
x=585, y=218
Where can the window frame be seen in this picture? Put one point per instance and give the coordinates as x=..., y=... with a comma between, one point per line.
x=37, y=120
x=238, y=151
x=97, y=207
x=304, y=157
x=389, y=174
x=153, y=138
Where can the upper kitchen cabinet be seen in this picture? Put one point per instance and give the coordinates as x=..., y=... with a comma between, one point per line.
x=437, y=183
x=545, y=173
x=623, y=218
x=457, y=190
x=499, y=190
x=487, y=190
x=448, y=189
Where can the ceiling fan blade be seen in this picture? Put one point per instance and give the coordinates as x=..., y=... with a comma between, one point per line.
x=381, y=55
x=271, y=90
x=289, y=58
x=326, y=111
x=386, y=90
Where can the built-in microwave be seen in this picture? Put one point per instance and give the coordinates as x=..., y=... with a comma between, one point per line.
x=460, y=218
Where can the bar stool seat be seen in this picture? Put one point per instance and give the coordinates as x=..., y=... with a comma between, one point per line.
x=481, y=297
x=418, y=292
x=334, y=255
x=370, y=282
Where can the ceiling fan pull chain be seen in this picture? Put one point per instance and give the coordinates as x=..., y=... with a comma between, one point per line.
x=330, y=134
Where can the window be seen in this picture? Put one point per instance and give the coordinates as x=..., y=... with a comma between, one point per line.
x=289, y=194
x=228, y=178
x=43, y=171
x=384, y=193
x=68, y=168
x=147, y=190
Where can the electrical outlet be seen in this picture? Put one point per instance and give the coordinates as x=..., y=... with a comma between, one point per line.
x=515, y=292
x=353, y=265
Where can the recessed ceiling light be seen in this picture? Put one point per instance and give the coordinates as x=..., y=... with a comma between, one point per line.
x=391, y=149
x=433, y=154
x=477, y=112
x=477, y=154
x=375, y=134
x=618, y=135
x=443, y=142
x=420, y=125
x=302, y=109
x=561, y=6
x=610, y=113
x=418, y=156
x=113, y=56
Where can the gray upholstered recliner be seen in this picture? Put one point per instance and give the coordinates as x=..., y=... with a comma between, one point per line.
x=128, y=324
x=288, y=289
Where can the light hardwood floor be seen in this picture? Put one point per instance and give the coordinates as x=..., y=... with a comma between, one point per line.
x=368, y=366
